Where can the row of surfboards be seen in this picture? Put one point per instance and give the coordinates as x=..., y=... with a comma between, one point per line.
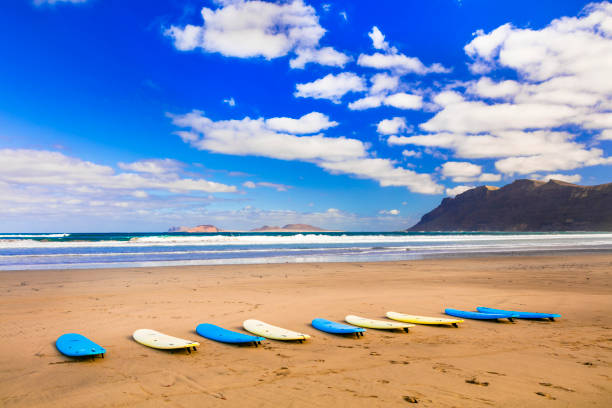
x=77, y=345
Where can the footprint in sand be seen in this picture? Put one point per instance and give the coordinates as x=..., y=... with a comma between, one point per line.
x=543, y=394
x=558, y=387
x=476, y=382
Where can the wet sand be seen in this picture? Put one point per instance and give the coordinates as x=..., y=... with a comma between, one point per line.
x=566, y=363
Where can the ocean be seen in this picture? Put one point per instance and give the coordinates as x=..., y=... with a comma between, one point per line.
x=109, y=250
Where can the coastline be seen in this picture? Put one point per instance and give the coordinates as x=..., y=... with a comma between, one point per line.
x=564, y=363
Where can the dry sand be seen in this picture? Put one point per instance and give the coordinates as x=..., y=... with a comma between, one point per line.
x=529, y=363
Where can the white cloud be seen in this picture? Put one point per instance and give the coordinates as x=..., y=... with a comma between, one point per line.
x=251, y=29
x=451, y=192
x=332, y=87
x=311, y=123
x=52, y=191
x=389, y=212
x=366, y=103
x=277, y=187
x=461, y=171
x=383, y=82
x=394, y=61
x=337, y=155
x=383, y=171
x=486, y=88
x=48, y=168
x=562, y=82
x=569, y=178
x=402, y=100
x=399, y=63
x=230, y=101
x=254, y=138
x=411, y=153
x=391, y=126
x=153, y=166
x=322, y=56
x=378, y=39
x=605, y=135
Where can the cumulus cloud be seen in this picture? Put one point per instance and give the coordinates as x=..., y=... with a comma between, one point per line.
x=399, y=63
x=247, y=29
x=57, y=191
x=378, y=39
x=332, y=87
x=389, y=212
x=382, y=82
x=400, y=100
x=48, y=168
x=391, y=126
x=404, y=100
x=394, y=61
x=153, y=166
x=461, y=172
x=569, y=178
x=322, y=56
x=451, y=192
x=338, y=155
x=541, y=119
x=310, y=123
x=251, y=29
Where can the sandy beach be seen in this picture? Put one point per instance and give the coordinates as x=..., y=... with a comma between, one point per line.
x=527, y=363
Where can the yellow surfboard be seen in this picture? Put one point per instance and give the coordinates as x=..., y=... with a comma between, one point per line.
x=376, y=324
x=401, y=317
x=272, y=332
x=155, y=339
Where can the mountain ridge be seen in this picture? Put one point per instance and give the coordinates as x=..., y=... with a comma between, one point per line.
x=524, y=205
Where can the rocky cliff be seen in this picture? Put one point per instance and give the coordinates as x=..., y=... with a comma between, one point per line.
x=524, y=205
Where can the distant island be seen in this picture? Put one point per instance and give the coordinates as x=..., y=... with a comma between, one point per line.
x=199, y=228
x=265, y=228
x=524, y=205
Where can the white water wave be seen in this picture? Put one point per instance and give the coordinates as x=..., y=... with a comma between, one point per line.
x=310, y=239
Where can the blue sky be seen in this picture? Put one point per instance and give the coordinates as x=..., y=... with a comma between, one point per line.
x=135, y=116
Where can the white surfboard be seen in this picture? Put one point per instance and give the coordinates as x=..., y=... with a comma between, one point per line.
x=272, y=332
x=155, y=339
x=376, y=324
x=401, y=317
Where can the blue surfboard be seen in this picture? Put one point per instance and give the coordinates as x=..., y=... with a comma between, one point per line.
x=336, y=328
x=77, y=345
x=520, y=315
x=213, y=332
x=479, y=316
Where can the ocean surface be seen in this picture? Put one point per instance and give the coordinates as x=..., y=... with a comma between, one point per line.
x=108, y=250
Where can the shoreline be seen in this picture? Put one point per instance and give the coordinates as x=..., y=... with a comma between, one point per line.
x=563, y=363
x=285, y=260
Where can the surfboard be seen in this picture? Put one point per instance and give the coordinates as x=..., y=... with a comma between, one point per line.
x=336, y=328
x=478, y=315
x=155, y=339
x=216, y=333
x=377, y=324
x=520, y=315
x=77, y=345
x=401, y=317
x=272, y=332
